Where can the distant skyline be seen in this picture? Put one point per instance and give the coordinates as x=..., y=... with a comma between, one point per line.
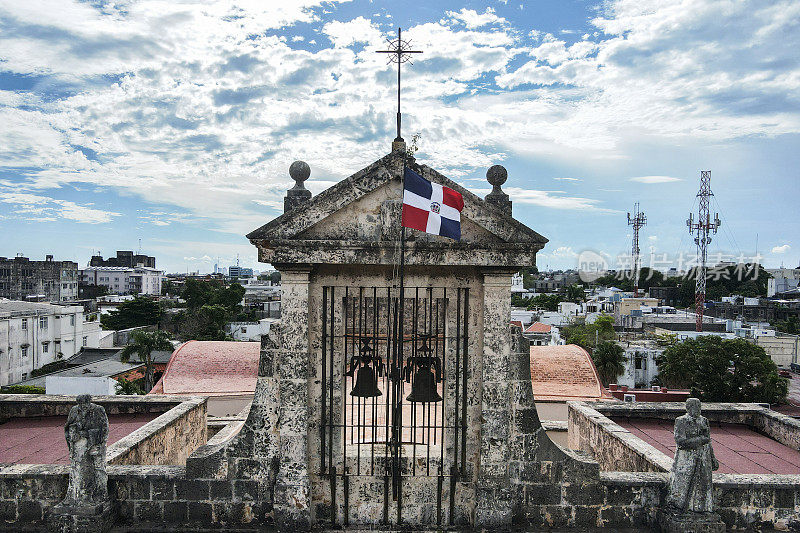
x=175, y=123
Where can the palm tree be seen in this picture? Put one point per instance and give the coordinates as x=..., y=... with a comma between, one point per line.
x=125, y=386
x=608, y=358
x=143, y=344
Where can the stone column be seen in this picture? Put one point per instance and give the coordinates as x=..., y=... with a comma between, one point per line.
x=292, y=498
x=493, y=494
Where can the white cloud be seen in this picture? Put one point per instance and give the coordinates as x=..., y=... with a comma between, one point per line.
x=472, y=19
x=564, y=251
x=358, y=30
x=654, y=179
x=782, y=249
x=551, y=199
x=206, y=117
x=39, y=208
x=567, y=179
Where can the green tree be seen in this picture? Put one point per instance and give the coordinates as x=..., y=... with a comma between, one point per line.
x=199, y=293
x=529, y=277
x=744, y=279
x=141, y=311
x=275, y=277
x=574, y=293
x=790, y=325
x=22, y=389
x=609, y=358
x=588, y=336
x=143, y=344
x=204, y=324
x=722, y=370
x=129, y=387
x=548, y=302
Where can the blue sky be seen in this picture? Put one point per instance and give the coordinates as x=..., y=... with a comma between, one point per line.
x=175, y=122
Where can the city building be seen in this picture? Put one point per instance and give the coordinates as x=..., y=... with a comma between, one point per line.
x=632, y=306
x=640, y=363
x=516, y=283
x=757, y=310
x=666, y=295
x=123, y=280
x=125, y=258
x=35, y=334
x=48, y=280
x=542, y=334
x=782, y=280
x=263, y=298
x=249, y=331
x=240, y=272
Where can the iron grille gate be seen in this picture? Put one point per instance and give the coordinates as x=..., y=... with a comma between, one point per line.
x=394, y=402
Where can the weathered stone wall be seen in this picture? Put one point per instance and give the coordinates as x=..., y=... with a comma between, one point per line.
x=34, y=405
x=780, y=427
x=161, y=496
x=167, y=440
x=611, y=445
x=158, y=496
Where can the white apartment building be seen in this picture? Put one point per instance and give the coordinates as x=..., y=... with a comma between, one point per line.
x=35, y=334
x=782, y=280
x=124, y=280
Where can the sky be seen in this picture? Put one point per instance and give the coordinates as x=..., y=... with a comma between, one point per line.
x=176, y=122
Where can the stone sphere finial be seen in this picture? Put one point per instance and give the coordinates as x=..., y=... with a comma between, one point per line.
x=497, y=175
x=299, y=171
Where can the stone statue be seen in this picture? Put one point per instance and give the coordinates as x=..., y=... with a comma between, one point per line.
x=87, y=507
x=86, y=432
x=690, y=500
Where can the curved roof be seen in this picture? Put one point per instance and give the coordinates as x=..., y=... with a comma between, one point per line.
x=212, y=368
x=564, y=372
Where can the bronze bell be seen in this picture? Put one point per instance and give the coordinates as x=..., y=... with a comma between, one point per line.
x=366, y=383
x=423, y=389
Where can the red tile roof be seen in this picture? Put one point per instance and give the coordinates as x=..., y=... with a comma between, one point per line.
x=739, y=449
x=517, y=323
x=538, y=327
x=40, y=440
x=211, y=367
x=560, y=373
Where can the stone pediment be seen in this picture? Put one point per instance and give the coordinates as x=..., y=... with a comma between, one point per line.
x=360, y=218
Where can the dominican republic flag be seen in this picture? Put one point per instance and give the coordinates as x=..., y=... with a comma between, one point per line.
x=430, y=207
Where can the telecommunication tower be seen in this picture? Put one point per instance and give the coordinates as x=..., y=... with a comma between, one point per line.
x=637, y=221
x=703, y=227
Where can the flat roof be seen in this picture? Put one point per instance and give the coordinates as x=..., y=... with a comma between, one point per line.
x=40, y=440
x=98, y=369
x=739, y=449
x=16, y=307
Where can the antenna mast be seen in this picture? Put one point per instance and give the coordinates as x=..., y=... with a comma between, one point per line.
x=637, y=221
x=703, y=227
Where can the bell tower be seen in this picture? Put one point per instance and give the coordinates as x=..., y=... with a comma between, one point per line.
x=381, y=403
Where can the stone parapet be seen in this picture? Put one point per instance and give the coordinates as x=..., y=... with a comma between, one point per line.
x=612, y=446
x=168, y=439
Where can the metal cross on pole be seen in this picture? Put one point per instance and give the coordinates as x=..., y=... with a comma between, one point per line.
x=399, y=50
